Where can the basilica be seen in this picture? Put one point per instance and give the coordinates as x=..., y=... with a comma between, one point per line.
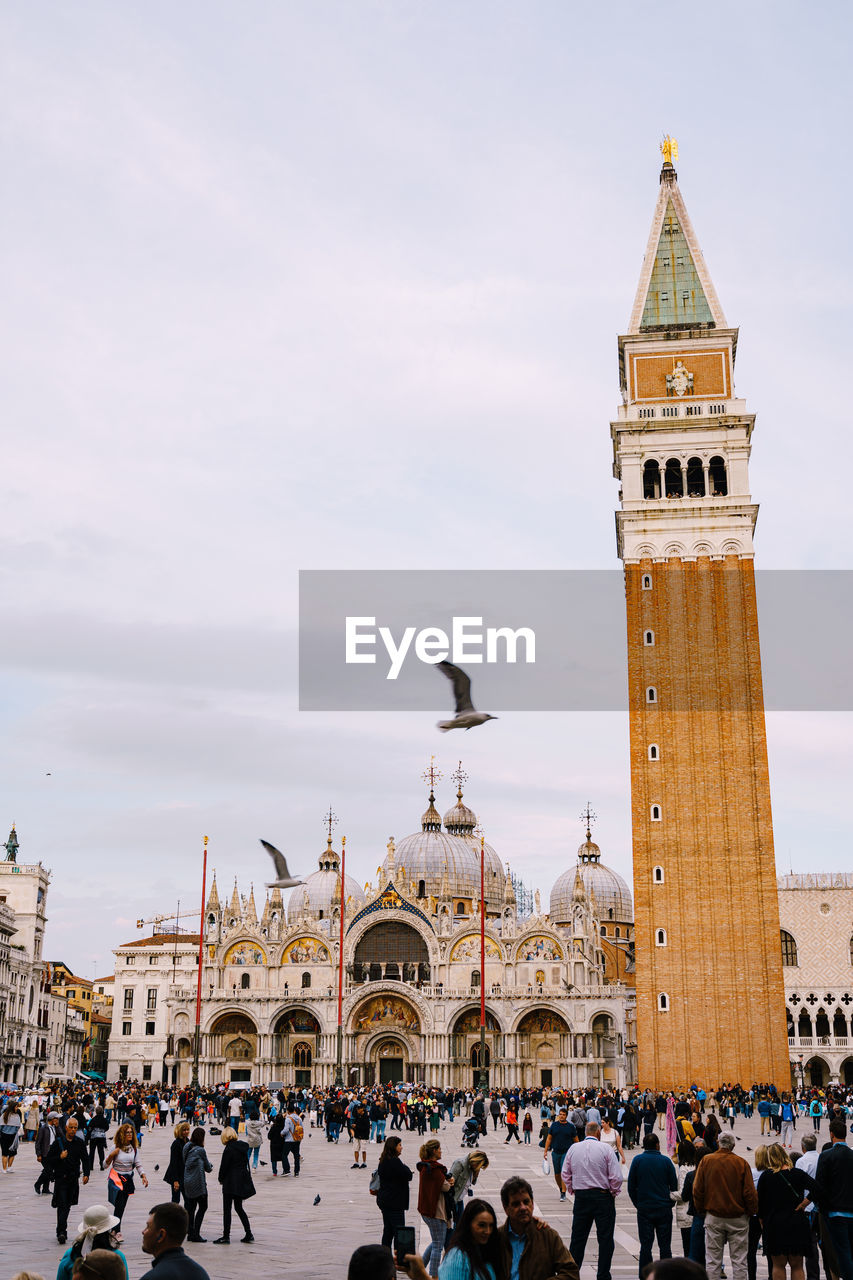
x=558, y=983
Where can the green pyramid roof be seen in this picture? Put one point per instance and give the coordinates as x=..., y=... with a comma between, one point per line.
x=675, y=294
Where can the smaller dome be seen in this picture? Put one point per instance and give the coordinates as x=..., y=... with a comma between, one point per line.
x=460, y=820
x=317, y=898
x=589, y=850
x=613, y=899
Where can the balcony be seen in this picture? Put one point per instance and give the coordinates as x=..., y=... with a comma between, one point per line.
x=807, y=1044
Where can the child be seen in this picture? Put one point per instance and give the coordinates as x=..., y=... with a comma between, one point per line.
x=543, y=1133
x=527, y=1126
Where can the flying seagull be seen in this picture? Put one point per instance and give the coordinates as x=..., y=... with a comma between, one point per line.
x=284, y=879
x=467, y=716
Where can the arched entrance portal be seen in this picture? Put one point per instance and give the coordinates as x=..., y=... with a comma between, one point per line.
x=391, y=1062
x=234, y=1039
x=817, y=1072
x=847, y=1071
x=479, y=1066
x=295, y=1044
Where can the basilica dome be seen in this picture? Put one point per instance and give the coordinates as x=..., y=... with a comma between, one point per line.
x=612, y=896
x=447, y=863
x=317, y=898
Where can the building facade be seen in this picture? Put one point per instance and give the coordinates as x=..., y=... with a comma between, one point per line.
x=710, y=1002
x=23, y=892
x=411, y=977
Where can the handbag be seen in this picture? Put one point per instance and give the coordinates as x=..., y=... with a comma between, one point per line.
x=546, y=1166
x=373, y=1188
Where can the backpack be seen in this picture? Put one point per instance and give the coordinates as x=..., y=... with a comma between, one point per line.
x=298, y=1131
x=373, y=1188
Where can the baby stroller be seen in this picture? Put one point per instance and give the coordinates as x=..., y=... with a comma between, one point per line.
x=471, y=1132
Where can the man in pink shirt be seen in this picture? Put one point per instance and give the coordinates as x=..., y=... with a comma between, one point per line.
x=593, y=1175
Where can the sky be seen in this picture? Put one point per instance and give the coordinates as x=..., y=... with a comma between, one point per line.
x=338, y=286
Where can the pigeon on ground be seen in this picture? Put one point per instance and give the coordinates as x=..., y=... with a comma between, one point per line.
x=316, y=1199
x=284, y=879
x=156, y=1167
x=467, y=716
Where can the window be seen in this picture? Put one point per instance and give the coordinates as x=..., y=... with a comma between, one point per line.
x=306, y=980
x=647, y=582
x=657, y=875
x=130, y=959
x=651, y=479
x=475, y=977
x=422, y=888
x=655, y=813
x=647, y=413
x=244, y=982
x=651, y=694
x=663, y=1002
x=604, y=931
x=670, y=411
x=654, y=753
x=618, y=932
x=717, y=477
x=146, y=1071
x=149, y=1028
x=126, y=1028
x=128, y=997
x=716, y=408
x=211, y=920
x=460, y=908
x=673, y=480
x=153, y=959
x=122, y=1071
x=695, y=478
x=789, y=948
x=151, y=1002
x=660, y=937
x=648, y=637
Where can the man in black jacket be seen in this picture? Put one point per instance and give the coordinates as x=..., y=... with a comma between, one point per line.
x=162, y=1237
x=834, y=1178
x=64, y=1162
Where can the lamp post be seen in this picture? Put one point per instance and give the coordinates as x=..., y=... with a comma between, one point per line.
x=483, y=1082
x=339, y=1066
x=197, y=1041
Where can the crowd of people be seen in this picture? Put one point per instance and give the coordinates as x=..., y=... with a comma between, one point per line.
x=797, y=1205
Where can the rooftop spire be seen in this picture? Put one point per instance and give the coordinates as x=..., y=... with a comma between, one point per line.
x=675, y=289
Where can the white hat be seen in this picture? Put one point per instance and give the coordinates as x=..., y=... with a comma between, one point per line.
x=96, y=1219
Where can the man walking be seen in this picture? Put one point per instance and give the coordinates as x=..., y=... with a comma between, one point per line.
x=834, y=1180
x=561, y=1135
x=293, y=1134
x=592, y=1174
x=64, y=1161
x=651, y=1180
x=723, y=1189
x=45, y=1138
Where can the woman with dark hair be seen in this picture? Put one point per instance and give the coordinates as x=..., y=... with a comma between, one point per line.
x=712, y=1132
x=393, y=1194
x=276, y=1141
x=196, y=1166
x=475, y=1251
x=687, y=1158
x=10, y=1131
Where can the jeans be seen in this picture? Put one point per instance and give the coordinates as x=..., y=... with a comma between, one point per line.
x=597, y=1207
x=291, y=1149
x=256, y=1152
x=333, y=1128
x=526, y=1135
x=735, y=1232
x=391, y=1220
x=697, y=1239
x=374, y=1130
x=437, y=1228
x=841, y=1233
x=650, y=1225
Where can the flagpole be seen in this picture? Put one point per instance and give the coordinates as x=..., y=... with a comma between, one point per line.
x=339, y=1075
x=197, y=1042
x=484, y=1082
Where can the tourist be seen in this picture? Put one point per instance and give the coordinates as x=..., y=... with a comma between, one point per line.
x=276, y=1141
x=476, y=1252
x=254, y=1137
x=688, y=1157
x=237, y=1186
x=174, y=1174
x=66, y=1159
x=789, y=1122
x=610, y=1137
x=527, y=1127
x=592, y=1175
x=98, y=1230
x=432, y=1207
x=293, y=1134
x=96, y=1135
x=376, y=1262
x=392, y=1195
x=124, y=1163
x=11, y=1124
x=464, y=1174
x=808, y=1162
x=196, y=1168
x=816, y=1113
x=162, y=1237
x=651, y=1181
x=45, y=1138
x=561, y=1136
x=360, y=1125
x=834, y=1179
x=531, y=1252
x=512, y=1125
x=724, y=1191
x=782, y=1197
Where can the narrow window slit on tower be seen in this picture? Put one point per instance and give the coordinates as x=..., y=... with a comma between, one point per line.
x=647, y=582
x=657, y=875
x=660, y=938
x=649, y=637
x=655, y=813
x=651, y=694
x=653, y=751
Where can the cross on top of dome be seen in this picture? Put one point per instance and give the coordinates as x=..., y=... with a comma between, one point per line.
x=589, y=850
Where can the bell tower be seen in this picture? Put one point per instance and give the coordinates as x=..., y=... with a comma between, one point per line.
x=710, y=1001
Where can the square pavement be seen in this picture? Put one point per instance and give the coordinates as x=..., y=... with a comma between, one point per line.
x=293, y=1236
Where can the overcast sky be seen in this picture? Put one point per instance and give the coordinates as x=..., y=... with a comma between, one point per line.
x=338, y=285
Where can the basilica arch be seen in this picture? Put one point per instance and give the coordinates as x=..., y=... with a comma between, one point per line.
x=543, y=1044
x=391, y=946
x=296, y=1045
x=232, y=1046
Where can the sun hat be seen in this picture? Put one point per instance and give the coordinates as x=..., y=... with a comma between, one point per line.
x=96, y=1220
